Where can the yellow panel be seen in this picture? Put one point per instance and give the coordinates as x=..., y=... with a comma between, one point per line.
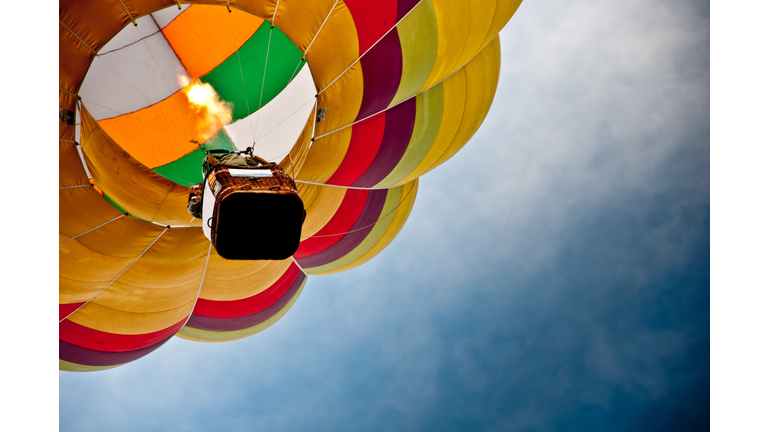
x=325, y=156
x=341, y=101
x=292, y=163
x=335, y=48
x=83, y=272
x=179, y=245
x=454, y=94
x=141, y=299
x=482, y=14
x=452, y=33
x=173, y=210
x=125, y=237
x=134, y=187
x=322, y=210
x=206, y=35
x=66, y=101
x=223, y=269
x=71, y=172
x=401, y=215
x=308, y=194
x=261, y=8
x=227, y=288
x=504, y=11
x=98, y=317
x=160, y=133
x=477, y=104
x=82, y=209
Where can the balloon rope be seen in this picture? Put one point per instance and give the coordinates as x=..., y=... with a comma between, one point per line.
x=84, y=233
x=205, y=269
x=78, y=37
x=369, y=48
x=344, y=187
x=371, y=224
x=263, y=80
x=71, y=187
x=245, y=92
x=297, y=265
x=129, y=14
x=311, y=141
x=274, y=14
x=115, y=279
x=78, y=147
x=68, y=92
x=277, y=103
x=319, y=30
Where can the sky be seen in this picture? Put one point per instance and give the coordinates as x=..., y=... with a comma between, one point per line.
x=553, y=276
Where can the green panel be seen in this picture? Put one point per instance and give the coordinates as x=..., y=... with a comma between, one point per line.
x=187, y=170
x=282, y=66
x=429, y=113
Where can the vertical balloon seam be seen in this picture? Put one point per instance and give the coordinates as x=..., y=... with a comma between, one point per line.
x=202, y=279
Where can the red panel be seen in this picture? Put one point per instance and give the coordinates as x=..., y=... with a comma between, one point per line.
x=372, y=19
x=85, y=337
x=341, y=222
x=250, y=305
x=363, y=147
x=66, y=309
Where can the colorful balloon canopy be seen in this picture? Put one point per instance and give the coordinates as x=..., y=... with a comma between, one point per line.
x=355, y=99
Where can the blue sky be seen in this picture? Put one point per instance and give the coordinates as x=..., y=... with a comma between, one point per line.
x=553, y=276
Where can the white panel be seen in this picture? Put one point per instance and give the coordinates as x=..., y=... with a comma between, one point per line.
x=277, y=126
x=133, y=76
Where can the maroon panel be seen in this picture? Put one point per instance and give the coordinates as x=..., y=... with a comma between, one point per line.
x=84, y=356
x=397, y=135
x=405, y=6
x=86, y=337
x=363, y=146
x=365, y=223
x=233, y=324
x=250, y=305
x=382, y=67
x=341, y=222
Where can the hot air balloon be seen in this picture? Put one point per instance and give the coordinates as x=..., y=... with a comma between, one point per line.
x=354, y=99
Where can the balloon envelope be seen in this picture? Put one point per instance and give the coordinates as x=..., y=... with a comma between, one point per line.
x=356, y=100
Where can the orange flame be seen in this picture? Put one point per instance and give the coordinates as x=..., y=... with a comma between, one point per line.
x=212, y=113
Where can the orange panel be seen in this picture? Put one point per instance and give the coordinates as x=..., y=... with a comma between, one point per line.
x=158, y=134
x=206, y=35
